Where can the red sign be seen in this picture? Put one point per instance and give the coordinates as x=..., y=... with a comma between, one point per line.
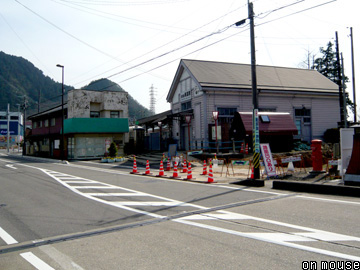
x=268, y=160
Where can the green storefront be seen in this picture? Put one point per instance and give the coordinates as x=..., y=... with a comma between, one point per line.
x=91, y=137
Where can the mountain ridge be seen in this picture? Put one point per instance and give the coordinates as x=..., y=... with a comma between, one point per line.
x=20, y=78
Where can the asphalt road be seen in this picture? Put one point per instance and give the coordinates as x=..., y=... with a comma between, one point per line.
x=86, y=216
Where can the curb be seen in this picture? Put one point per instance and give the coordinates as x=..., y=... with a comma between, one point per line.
x=317, y=188
x=250, y=183
x=40, y=159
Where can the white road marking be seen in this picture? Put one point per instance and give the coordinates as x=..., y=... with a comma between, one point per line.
x=312, y=235
x=10, y=166
x=77, y=182
x=35, y=261
x=274, y=241
x=327, y=200
x=217, y=186
x=7, y=237
x=30, y=257
x=149, y=204
x=96, y=187
x=284, y=239
x=64, y=261
x=116, y=194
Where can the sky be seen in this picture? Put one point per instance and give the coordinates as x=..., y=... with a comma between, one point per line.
x=139, y=43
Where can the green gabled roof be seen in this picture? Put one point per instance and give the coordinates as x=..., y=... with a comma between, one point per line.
x=96, y=125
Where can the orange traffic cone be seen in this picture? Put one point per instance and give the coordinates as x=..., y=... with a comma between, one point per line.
x=211, y=177
x=134, y=167
x=189, y=174
x=252, y=173
x=161, y=172
x=175, y=173
x=168, y=166
x=242, y=148
x=147, y=171
x=247, y=149
x=184, y=170
x=204, y=169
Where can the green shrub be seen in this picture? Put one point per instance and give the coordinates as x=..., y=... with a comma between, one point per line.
x=112, y=150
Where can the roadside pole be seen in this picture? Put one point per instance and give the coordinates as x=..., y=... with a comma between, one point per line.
x=255, y=117
x=8, y=127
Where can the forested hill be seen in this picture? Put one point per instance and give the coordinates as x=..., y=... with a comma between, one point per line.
x=19, y=78
x=136, y=110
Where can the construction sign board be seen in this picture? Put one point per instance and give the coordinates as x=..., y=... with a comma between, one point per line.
x=268, y=159
x=291, y=159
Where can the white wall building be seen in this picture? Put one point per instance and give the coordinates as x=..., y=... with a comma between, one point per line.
x=201, y=87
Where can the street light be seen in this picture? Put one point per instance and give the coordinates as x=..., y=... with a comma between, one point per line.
x=188, y=121
x=159, y=124
x=62, y=112
x=216, y=116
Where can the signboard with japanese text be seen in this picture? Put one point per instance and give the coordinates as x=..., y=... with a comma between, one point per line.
x=291, y=159
x=268, y=159
x=213, y=133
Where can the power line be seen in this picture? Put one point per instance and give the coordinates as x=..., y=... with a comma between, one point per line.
x=171, y=51
x=124, y=3
x=172, y=41
x=67, y=33
x=95, y=11
x=297, y=12
x=277, y=9
x=313, y=7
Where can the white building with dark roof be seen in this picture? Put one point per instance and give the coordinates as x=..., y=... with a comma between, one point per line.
x=201, y=87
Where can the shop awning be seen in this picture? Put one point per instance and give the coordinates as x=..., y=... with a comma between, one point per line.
x=96, y=125
x=270, y=123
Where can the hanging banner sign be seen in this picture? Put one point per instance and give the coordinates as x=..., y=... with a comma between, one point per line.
x=268, y=159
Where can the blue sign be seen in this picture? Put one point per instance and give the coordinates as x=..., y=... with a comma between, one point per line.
x=13, y=126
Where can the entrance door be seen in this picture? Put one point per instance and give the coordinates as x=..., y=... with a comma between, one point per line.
x=303, y=124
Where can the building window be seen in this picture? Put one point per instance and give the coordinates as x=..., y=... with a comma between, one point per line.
x=52, y=123
x=115, y=114
x=40, y=124
x=264, y=118
x=226, y=111
x=34, y=125
x=302, y=112
x=14, y=117
x=226, y=115
x=186, y=106
x=94, y=114
x=46, y=122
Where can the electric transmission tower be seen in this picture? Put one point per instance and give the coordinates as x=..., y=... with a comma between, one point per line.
x=152, y=99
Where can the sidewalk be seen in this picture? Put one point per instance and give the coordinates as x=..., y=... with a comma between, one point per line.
x=298, y=181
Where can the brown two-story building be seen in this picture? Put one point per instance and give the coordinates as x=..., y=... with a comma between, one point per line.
x=92, y=121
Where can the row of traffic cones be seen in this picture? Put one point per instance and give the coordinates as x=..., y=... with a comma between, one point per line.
x=175, y=173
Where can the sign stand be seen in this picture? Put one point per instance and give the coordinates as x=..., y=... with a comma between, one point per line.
x=268, y=160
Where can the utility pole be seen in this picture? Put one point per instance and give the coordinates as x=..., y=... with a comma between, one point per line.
x=24, y=125
x=8, y=127
x=255, y=117
x=344, y=94
x=353, y=72
x=339, y=81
